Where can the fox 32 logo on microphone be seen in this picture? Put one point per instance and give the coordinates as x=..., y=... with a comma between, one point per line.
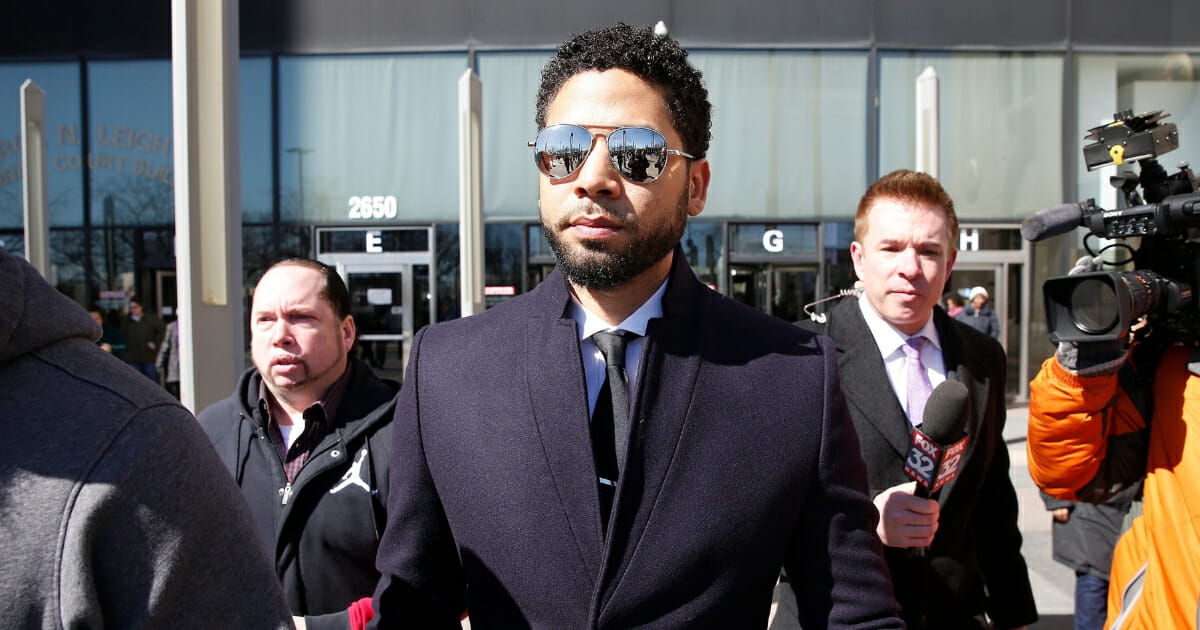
x=932, y=465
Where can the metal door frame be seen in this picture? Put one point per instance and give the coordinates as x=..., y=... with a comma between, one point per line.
x=1000, y=263
x=772, y=268
x=389, y=262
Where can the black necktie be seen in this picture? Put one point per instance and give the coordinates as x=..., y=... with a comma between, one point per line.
x=610, y=420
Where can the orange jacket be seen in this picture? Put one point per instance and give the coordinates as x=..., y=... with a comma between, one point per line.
x=1083, y=432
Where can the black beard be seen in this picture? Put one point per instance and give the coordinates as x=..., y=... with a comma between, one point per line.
x=595, y=266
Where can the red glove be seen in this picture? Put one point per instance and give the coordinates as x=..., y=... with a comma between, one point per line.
x=360, y=613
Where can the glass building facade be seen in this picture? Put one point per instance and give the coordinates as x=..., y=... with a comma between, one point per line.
x=364, y=145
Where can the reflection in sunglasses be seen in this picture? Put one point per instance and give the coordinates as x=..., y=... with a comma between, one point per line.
x=639, y=154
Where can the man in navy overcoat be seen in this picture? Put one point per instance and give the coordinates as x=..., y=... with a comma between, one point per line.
x=739, y=457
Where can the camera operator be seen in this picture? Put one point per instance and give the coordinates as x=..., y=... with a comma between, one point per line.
x=1119, y=402
x=1104, y=415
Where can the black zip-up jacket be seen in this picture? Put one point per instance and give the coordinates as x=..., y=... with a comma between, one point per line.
x=324, y=529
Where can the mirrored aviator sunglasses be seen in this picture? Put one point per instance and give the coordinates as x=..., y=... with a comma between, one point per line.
x=638, y=153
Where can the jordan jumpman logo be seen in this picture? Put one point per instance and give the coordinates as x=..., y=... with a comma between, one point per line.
x=353, y=477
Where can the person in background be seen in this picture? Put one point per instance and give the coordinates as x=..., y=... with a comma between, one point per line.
x=307, y=435
x=978, y=314
x=167, y=361
x=143, y=333
x=117, y=513
x=1084, y=535
x=623, y=447
x=955, y=558
x=953, y=303
x=111, y=340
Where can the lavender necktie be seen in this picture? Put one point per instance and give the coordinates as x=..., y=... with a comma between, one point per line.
x=919, y=387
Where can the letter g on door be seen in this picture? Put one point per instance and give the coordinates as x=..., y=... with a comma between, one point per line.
x=773, y=241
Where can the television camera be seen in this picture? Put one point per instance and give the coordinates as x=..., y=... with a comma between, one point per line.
x=1165, y=220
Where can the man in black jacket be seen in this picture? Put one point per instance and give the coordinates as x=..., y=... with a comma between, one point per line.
x=143, y=333
x=307, y=436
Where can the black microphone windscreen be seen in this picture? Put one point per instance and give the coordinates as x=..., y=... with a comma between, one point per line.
x=1052, y=222
x=946, y=412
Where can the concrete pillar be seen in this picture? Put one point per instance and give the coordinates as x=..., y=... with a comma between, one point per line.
x=470, y=192
x=33, y=171
x=928, y=122
x=208, y=214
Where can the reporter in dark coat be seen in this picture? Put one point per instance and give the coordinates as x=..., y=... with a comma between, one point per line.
x=972, y=574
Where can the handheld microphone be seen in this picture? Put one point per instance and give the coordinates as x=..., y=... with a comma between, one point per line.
x=938, y=443
x=1052, y=222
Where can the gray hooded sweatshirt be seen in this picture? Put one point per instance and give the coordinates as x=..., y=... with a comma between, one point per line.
x=114, y=509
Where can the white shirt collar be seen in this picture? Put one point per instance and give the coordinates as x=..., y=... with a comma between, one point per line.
x=593, y=361
x=888, y=337
x=590, y=323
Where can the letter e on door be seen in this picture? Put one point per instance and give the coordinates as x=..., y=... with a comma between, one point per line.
x=374, y=242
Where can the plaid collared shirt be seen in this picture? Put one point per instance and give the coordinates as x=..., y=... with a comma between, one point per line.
x=318, y=420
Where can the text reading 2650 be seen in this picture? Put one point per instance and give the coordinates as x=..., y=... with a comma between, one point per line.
x=373, y=207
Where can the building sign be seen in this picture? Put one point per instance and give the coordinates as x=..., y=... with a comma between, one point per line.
x=768, y=239
x=968, y=239
x=974, y=239
x=371, y=207
x=373, y=241
x=119, y=149
x=113, y=300
x=115, y=151
x=379, y=296
x=493, y=295
x=773, y=241
x=10, y=172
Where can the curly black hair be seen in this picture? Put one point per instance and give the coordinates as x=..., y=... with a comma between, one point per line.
x=656, y=59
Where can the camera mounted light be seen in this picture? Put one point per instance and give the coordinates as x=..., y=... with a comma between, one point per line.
x=1165, y=251
x=1128, y=138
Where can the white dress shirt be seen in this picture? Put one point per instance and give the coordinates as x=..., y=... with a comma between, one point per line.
x=594, y=368
x=891, y=341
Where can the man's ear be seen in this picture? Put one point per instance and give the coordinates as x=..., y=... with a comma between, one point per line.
x=856, y=256
x=349, y=331
x=699, y=176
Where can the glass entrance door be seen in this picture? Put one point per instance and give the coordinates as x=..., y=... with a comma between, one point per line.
x=1003, y=284
x=777, y=290
x=379, y=309
x=389, y=303
x=387, y=271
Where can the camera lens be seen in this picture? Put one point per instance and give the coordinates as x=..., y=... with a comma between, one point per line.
x=1093, y=305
